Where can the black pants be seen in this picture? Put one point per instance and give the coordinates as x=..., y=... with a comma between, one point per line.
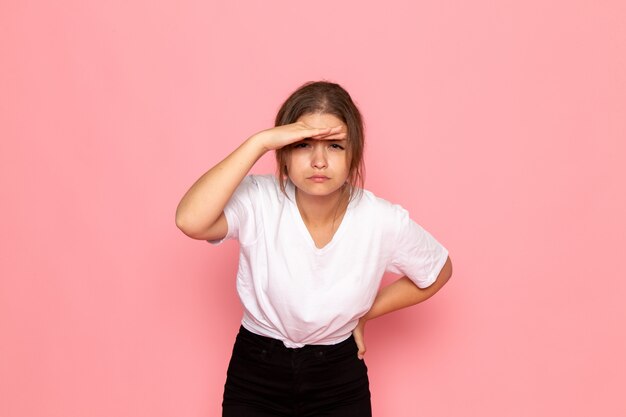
x=266, y=379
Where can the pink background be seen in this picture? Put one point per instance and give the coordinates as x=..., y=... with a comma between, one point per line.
x=501, y=126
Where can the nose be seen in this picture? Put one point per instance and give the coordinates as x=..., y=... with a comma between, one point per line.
x=318, y=157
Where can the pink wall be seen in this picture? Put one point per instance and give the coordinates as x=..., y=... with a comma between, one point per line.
x=500, y=125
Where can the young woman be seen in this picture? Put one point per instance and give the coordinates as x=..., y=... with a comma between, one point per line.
x=313, y=248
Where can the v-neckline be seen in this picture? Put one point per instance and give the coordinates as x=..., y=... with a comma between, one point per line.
x=291, y=193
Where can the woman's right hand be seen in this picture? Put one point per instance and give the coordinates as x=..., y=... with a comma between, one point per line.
x=280, y=136
x=200, y=211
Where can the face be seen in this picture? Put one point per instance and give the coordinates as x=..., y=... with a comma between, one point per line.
x=319, y=167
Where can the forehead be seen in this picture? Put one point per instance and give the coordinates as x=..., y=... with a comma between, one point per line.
x=321, y=120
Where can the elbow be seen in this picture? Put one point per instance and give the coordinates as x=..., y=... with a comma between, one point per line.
x=181, y=224
x=194, y=229
x=184, y=225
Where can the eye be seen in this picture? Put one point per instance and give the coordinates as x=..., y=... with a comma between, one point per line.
x=300, y=145
x=336, y=146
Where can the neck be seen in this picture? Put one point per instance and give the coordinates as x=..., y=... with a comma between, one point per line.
x=320, y=210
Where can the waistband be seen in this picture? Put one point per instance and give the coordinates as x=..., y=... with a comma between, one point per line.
x=276, y=343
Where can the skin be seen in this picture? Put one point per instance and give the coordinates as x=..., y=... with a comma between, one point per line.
x=200, y=213
x=318, y=167
x=400, y=294
x=319, y=170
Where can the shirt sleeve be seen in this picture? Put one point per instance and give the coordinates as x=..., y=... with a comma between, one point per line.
x=416, y=253
x=239, y=210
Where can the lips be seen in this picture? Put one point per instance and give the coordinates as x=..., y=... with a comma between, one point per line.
x=318, y=178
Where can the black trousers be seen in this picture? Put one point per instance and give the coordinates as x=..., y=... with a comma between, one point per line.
x=267, y=379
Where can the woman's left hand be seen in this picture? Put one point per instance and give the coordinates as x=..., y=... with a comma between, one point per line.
x=359, y=337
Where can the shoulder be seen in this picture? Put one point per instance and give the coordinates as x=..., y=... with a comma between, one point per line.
x=380, y=213
x=263, y=189
x=258, y=180
x=263, y=183
x=371, y=203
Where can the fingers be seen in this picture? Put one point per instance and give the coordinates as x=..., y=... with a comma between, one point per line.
x=359, y=337
x=338, y=136
x=284, y=135
x=361, y=345
x=334, y=133
x=361, y=353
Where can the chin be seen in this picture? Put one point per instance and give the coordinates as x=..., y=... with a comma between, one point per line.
x=320, y=190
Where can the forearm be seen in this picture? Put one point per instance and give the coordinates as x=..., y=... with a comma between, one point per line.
x=404, y=293
x=204, y=202
x=199, y=213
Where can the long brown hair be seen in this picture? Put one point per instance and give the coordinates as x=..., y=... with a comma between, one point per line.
x=328, y=98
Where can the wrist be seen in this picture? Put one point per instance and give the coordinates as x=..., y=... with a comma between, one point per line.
x=258, y=143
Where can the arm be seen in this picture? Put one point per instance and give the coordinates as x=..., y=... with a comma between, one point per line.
x=200, y=213
x=400, y=294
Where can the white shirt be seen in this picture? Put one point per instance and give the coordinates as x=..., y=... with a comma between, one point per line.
x=300, y=294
